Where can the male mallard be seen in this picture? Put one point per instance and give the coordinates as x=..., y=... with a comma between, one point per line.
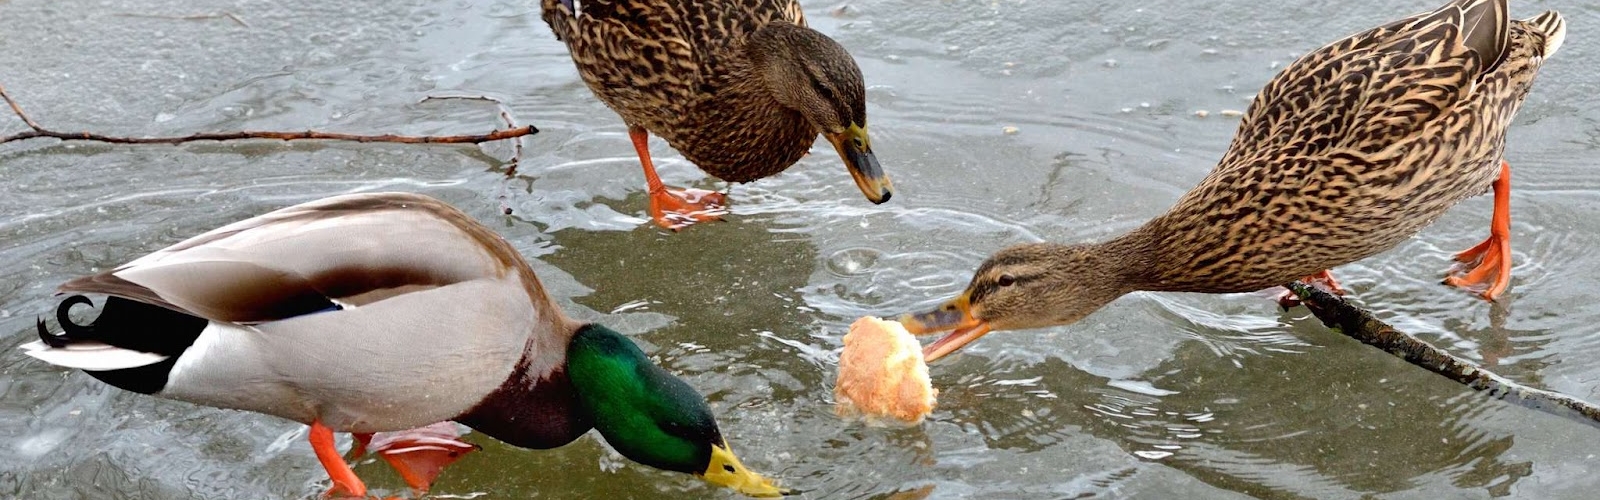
x=382, y=312
x=1349, y=151
x=740, y=87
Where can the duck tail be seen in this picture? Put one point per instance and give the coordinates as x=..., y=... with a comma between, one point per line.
x=127, y=335
x=73, y=331
x=1554, y=28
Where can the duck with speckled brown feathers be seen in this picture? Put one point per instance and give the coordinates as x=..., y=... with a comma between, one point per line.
x=741, y=87
x=1348, y=151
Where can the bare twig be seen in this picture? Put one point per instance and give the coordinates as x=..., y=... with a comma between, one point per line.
x=1358, y=324
x=195, y=17
x=516, y=145
x=505, y=115
x=18, y=109
x=39, y=131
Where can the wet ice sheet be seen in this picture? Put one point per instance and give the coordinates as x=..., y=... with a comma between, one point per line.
x=1159, y=395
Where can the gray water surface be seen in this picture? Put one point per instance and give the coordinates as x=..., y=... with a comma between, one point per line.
x=1157, y=396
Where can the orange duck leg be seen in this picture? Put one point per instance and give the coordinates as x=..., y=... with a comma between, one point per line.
x=674, y=208
x=345, y=482
x=1486, y=268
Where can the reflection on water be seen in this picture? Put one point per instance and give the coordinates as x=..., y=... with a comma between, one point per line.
x=1245, y=428
x=1156, y=396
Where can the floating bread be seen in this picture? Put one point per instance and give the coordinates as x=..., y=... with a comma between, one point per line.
x=882, y=375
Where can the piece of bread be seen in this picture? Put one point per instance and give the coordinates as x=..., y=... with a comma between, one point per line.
x=882, y=374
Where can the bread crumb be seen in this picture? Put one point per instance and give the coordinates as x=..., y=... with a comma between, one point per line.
x=882, y=375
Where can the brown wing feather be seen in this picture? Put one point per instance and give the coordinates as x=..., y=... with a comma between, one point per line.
x=355, y=249
x=1355, y=147
x=1345, y=94
x=654, y=53
x=238, y=292
x=1485, y=27
x=110, y=284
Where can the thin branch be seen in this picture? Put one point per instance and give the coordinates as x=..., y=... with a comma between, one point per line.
x=18, y=109
x=196, y=17
x=283, y=136
x=516, y=145
x=41, y=132
x=505, y=116
x=1359, y=324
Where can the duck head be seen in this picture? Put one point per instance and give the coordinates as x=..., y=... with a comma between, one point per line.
x=810, y=73
x=652, y=417
x=1025, y=286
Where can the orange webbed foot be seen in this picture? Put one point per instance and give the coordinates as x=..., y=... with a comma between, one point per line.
x=420, y=454
x=675, y=208
x=1486, y=267
x=1323, y=280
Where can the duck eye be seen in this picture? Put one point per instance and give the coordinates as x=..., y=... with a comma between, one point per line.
x=1006, y=280
x=728, y=468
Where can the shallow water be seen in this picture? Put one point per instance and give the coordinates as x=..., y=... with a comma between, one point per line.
x=1157, y=396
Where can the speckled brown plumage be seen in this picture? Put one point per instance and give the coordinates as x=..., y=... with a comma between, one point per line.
x=1350, y=150
x=681, y=69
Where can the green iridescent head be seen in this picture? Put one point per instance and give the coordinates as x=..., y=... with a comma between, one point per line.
x=651, y=416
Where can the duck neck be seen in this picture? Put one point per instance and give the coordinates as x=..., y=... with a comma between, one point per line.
x=537, y=406
x=1133, y=259
x=1160, y=259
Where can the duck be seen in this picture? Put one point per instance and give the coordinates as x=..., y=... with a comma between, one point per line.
x=741, y=88
x=381, y=312
x=1348, y=151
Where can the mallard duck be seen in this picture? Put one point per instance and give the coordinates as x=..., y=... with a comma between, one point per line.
x=1348, y=151
x=381, y=312
x=740, y=87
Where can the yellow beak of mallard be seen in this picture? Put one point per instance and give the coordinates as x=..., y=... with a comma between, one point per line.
x=726, y=471
x=856, y=150
x=956, y=315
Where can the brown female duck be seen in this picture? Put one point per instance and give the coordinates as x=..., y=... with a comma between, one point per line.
x=740, y=87
x=1350, y=150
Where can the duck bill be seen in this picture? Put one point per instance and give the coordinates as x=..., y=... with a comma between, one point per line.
x=726, y=471
x=955, y=316
x=856, y=150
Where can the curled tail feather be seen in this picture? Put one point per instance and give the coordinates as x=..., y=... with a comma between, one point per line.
x=125, y=323
x=72, y=332
x=131, y=344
